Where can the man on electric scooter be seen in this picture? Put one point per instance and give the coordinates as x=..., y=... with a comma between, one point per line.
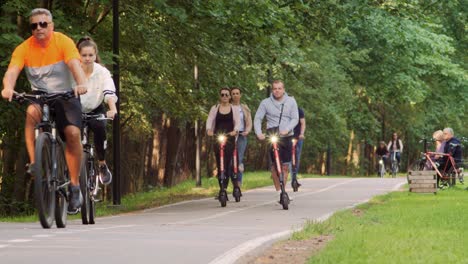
x=282, y=116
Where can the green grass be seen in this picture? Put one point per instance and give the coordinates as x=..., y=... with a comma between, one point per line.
x=163, y=196
x=399, y=227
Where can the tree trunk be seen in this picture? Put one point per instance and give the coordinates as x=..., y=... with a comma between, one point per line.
x=349, y=153
x=165, y=123
x=154, y=151
x=173, y=136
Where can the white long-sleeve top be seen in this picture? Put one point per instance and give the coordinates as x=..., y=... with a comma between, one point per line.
x=100, y=88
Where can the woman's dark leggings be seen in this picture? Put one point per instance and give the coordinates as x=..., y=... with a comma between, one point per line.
x=98, y=127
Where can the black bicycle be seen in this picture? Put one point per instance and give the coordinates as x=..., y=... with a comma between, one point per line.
x=89, y=179
x=50, y=171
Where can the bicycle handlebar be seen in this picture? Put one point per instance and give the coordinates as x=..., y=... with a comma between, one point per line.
x=46, y=97
x=99, y=117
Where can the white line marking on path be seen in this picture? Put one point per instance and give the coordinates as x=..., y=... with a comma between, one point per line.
x=255, y=206
x=236, y=253
x=19, y=240
x=231, y=256
x=41, y=236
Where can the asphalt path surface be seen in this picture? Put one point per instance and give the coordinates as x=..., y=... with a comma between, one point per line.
x=198, y=231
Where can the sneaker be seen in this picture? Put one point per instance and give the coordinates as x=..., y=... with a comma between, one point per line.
x=76, y=199
x=298, y=184
x=105, y=176
x=28, y=168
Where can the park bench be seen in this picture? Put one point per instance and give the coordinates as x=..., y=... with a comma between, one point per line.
x=422, y=181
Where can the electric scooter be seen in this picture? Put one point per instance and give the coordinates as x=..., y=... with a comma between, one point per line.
x=222, y=196
x=284, y=198
x=236, y=192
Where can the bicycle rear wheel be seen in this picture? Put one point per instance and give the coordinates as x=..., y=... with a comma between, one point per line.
x=63, y=180
x=44, y=185
x=84, y=189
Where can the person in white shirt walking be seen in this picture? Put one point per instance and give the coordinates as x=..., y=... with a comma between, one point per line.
x=101, y=89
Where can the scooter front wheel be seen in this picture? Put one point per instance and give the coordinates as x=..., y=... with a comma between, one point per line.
x=237, y=194
x=295, y=185
x=284, y=200
x=222, y=198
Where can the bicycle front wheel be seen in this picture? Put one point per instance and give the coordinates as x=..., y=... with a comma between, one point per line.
x=63, y=181
x=394, y=169
x=44, y=185
x=381, y=170
x=84, y=189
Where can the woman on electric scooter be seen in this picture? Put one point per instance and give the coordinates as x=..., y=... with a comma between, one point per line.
x=223, y=119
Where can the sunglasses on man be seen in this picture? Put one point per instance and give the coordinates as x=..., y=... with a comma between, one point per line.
x=224, y=95
x=41, y=24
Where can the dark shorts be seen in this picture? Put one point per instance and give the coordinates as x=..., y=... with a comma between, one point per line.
x=67, y=113
x=285, y=149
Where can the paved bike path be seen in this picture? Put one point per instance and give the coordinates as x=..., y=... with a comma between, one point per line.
x=197, y=231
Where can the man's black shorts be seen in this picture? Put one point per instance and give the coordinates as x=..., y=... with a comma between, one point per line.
x=67, y=113
x=285, y=149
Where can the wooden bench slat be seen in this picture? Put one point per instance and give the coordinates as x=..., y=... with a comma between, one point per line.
x=423, y=177
x=423, y=181
x=423, y=190
x=422, y=185
x=422, y=173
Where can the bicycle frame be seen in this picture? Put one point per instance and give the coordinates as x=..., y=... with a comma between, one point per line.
x=52, y=199
x=88, y=147
x=47, y=125
x=450, y=159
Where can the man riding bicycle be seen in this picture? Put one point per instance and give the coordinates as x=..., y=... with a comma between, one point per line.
x=382, y=151
x=282, y=116
x=50, y=60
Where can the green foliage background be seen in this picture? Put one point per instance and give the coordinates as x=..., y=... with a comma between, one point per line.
x=369, y=67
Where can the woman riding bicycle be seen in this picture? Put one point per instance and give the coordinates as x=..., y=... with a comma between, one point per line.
x=223, y=119
x=100, y=89
x=395, y=147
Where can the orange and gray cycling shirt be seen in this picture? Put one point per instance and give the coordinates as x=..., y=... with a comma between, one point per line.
x=46, y=68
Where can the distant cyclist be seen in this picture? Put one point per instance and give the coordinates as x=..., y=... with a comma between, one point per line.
x=382, y=151
x=51, y=60
x=395, y=146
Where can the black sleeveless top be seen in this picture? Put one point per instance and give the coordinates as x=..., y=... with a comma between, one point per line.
x=224, y=122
